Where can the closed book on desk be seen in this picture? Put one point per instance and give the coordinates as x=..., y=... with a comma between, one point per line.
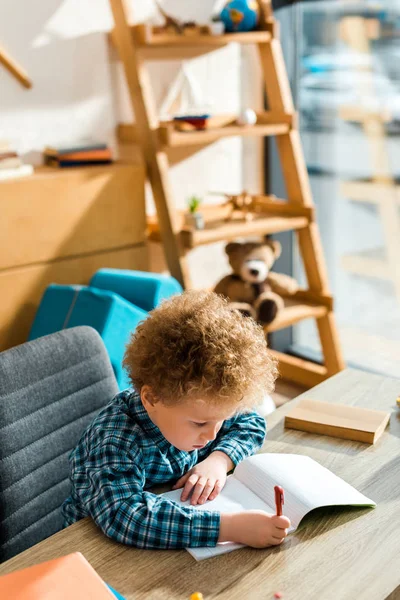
x=70, y=577
x=337, y=420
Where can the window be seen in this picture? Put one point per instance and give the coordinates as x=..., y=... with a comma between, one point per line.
x=344, y=63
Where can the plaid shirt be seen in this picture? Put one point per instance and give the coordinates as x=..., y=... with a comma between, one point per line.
x=122, y=453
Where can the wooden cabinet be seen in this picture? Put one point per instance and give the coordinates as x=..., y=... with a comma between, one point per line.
x=60, y=226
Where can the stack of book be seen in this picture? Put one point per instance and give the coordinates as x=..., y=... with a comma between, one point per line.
x=80, y=154
x=11, y=164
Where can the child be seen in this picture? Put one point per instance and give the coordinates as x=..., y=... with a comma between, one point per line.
x=197, y=368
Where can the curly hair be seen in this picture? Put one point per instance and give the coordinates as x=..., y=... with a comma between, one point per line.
x=194, y=346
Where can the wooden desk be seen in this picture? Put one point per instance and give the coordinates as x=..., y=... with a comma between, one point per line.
x=339, y=554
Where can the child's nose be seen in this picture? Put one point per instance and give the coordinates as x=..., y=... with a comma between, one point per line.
x=211, y=433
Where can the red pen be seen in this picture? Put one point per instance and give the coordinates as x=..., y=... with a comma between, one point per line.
x=279, y=500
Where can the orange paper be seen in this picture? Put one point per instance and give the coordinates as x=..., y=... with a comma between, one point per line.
x=70, y=577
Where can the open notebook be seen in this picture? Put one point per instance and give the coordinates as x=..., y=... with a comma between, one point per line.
x=306, y=483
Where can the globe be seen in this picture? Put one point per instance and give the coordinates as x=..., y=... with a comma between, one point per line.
x=240, y=15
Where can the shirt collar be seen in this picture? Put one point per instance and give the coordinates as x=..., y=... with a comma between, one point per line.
x=139, y=414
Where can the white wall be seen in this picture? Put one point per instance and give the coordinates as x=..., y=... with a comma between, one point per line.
x=65, y=55
x=79, y=92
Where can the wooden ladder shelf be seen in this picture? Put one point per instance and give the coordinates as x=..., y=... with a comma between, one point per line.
x=136, y=45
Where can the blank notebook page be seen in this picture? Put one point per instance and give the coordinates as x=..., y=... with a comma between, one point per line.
x=307, y=484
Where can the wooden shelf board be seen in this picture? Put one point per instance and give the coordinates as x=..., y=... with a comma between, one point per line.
x=294, y=312
x=372, y=192
x=220, y=126
x=299, y=370
x=359, y=114
x=146, y=37
x=370, y=263
x=229, y=231
x=217, y=229
x=266, y=126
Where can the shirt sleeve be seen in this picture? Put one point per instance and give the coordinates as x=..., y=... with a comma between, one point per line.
x=116, y=501
x=239, y=437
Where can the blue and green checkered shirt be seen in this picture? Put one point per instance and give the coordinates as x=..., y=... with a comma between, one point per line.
x=122, y=454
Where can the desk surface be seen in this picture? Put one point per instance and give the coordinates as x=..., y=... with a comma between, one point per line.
x=346, y=554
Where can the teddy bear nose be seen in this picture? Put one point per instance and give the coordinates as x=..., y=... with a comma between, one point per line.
x=254, y=272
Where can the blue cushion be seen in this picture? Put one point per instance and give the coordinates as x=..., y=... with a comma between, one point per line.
x=65, y=306
x=143, y=289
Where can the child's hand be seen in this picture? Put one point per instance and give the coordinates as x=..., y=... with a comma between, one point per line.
x=206, y=479
x=254, y=528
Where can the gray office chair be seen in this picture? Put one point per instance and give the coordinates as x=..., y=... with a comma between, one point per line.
x=50, y=389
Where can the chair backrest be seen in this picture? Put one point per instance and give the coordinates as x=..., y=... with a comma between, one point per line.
x=50, y=389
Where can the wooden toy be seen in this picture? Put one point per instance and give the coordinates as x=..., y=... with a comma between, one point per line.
x=243, y=203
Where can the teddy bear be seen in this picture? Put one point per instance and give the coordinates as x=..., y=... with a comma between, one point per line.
x=252, y=288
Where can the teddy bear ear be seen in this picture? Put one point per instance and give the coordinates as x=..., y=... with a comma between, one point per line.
x=275, y=246
x=232, y=247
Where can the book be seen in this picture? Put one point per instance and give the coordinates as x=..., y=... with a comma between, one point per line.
x=338, y=420
x=84, y=146
x=77, y=163
x=96, y=156
x=22, y=171
x=69, y=577
x=104, y=154
x=7, y=154
x=12, y=162
x=306, y=483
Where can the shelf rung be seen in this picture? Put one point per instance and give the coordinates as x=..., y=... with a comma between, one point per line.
x=367, y=265
x=268, y=124
x=369, y=191
x=294, y=312
x=309, y=296
x=299, y=370
x=229, y=231
x=166, y=46
x=147, y=37
x=359, y=114
x=272, y=216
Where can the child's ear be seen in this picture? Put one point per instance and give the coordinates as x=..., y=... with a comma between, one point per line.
x=148, y=398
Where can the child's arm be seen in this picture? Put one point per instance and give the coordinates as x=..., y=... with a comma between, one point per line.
x=238, y=437
x=110, y=488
